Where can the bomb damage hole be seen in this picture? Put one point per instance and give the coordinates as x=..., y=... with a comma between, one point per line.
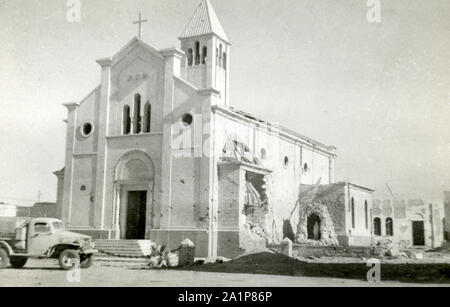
x=255, y=196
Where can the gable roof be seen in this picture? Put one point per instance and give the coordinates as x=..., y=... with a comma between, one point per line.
x=133, y=43
x=204, y=21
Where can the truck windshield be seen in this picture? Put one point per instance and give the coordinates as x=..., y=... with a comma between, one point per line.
x=58, y=225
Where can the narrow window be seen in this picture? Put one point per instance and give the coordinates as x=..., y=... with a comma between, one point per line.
x=204, y=55
x=263, y=153
x=137, y=125
x=147, y=117
x=377, y=226
x=217, y=56
x=224, y=60
x=197, y=53
x=190, y=57
x=126, y=120
x=353, y=213
x=366, y=212
x=220, y=55
x=389, y=227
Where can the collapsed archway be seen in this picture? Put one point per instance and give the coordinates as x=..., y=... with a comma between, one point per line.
x=313, y=227
x=316, y=226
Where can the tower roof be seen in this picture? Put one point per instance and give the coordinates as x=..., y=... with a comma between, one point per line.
x=204, y=21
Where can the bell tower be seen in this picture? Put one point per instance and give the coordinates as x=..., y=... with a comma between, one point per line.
x=207, y=50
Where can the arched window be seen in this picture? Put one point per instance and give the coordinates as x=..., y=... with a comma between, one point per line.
x=147, y=117
x=197, y=53
x=126, y=120
x=286, y=161
x=137, y=125
x=389, y=227
x=224, y=60
x=204, y=54
x=377, y=226
x=366, y=213
x=190, y=57
x=353, y=213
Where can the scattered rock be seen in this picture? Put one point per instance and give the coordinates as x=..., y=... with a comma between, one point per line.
x=418, y=256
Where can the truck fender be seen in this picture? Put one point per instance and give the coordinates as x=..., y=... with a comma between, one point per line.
x=6, y=247
x=58, y=248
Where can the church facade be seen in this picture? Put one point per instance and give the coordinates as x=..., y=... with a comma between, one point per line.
x=157, y=152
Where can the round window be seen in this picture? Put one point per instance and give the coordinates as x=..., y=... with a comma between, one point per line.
x=187, y=119
x=87, y=129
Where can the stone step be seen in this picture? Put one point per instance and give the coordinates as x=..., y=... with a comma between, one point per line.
x=118, y=245
x=124, y=254
x=124, y=248
x=111, y=240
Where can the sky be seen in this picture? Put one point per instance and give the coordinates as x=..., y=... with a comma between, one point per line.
x=379, y=92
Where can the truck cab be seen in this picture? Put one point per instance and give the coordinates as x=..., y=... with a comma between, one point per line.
x=45, y=238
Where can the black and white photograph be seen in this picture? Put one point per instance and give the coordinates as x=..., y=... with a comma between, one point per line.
x=225, y=144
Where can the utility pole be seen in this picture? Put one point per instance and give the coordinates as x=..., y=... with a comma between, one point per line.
x=390, y=191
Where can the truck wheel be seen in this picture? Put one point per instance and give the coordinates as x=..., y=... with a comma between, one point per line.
x=18, y=262
x=87, y=261
x=68, y=259
x=4, y=259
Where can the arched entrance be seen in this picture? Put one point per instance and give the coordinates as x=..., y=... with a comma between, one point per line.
x=313, y=225
x=133, y=195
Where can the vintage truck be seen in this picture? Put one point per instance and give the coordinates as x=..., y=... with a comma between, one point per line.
x=21, y=239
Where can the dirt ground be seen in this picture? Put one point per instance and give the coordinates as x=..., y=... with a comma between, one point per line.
x=44, y=273
x=428, y=270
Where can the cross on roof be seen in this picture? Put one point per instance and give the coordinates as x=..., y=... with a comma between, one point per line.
x=140, y=22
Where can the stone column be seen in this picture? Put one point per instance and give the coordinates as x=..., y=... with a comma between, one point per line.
x=116, y=212
x=172, y=59
x=102, y=153
x=68, y=171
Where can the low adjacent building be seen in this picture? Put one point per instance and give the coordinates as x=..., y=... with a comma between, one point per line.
x=45, y=210
x=335, y=214
x=412, y=223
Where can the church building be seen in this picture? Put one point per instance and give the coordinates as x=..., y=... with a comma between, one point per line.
x=157, y=152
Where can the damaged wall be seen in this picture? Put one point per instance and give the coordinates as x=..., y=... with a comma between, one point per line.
x=291, y=163
x=404, y=214
x=238, y=231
